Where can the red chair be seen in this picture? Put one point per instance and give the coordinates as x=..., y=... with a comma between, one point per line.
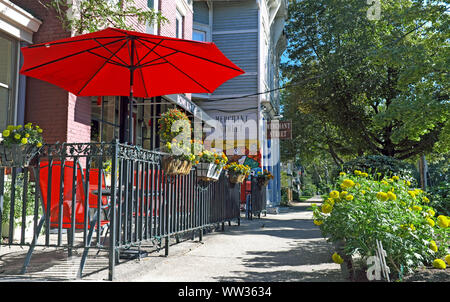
x=50, y=187
x=93, y=186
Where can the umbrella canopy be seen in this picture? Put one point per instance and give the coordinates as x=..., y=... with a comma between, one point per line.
x=115, y=62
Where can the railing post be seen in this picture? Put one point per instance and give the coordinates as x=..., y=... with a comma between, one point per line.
x=2, y=192
x=113, y=227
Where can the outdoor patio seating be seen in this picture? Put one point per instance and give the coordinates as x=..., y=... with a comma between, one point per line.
x=63, y=196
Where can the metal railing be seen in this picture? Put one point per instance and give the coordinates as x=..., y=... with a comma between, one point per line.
x=66, y=190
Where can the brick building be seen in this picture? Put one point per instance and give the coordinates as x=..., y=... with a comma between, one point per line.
x=64, y=116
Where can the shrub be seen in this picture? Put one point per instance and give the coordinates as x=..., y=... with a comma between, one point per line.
x=380, y=166
x=18, y=199
x=361, y=210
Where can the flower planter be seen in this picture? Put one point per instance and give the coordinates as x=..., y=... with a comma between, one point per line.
x=175, y=166
x=236, y=178
x=263, y=181
x=17, y=155
x=208, y=171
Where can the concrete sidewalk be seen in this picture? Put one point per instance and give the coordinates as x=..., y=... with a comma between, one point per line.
x=275, y=248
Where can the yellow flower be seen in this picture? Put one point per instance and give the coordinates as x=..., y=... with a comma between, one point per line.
x=431, y=212
x=349, y=197
x=425, y=199
x=318, y=222
x=39, y=145
x=439, y=263
x=24, y=141
x=342, y=174
x=391, y=195
x=17, y=136
x=412, y=193
x=382, y=196
x=433, y=246
x=442, y=221
x=337, y=258
x=342, y=194
x=395, y=178
x=430, y=221
x=348, y=183
x=327, y=208
x=6, y=133
x=27, y=135
x=334, y=194
x=363, y=192
x=357, y=172
x=417, y=208
x=447, y=259
x=408, y=183
x=364, y=174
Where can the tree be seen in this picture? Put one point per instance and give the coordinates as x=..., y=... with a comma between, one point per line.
x=93, y=15
x=368, y=86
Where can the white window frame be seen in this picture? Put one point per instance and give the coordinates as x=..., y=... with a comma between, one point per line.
x=179, y=33
x=151, y=28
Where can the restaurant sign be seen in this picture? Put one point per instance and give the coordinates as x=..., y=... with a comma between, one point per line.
x=279, y=129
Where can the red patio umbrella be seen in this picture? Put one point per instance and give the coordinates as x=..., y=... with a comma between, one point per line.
x=115, y=62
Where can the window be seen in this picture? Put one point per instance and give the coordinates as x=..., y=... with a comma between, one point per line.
x=152, y=28
x=8, y=74
x=198, y=35
x=179, y=25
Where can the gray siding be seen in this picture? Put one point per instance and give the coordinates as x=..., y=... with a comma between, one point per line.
x=240, y=48
x=235, y=15
x=241, y=85
x=201, y=12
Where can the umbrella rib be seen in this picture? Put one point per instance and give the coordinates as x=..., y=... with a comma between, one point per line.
x=189, y=54
x=104, y=63
x=124, y=63
x=151, y=50
x=110, y=61
x=68, y=56
x=142, y=76
x=173, y=65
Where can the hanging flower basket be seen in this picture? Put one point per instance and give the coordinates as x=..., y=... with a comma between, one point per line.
x=175, y=166
x=17, y=155
x=237, y=172
x=19, y=145
x=263, y=178
x=236, y=178
x=208, y=171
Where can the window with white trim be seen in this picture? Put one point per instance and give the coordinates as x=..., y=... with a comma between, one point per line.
x=8, y=74
x=179, y=25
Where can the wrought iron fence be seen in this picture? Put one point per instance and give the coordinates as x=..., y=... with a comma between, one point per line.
x=68, y=189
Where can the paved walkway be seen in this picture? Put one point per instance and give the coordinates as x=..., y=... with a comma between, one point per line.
x=276, y=248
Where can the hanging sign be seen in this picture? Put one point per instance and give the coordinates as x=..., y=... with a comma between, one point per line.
x=279, y=129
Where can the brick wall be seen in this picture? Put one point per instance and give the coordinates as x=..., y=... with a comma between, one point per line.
x=46, y=104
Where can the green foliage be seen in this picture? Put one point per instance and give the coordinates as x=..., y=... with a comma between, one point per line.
x=93, y=15
x=358, y=86
x=361, y=210
x=385, y=165
x=18, y=204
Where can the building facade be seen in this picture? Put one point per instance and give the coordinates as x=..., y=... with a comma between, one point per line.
x=249, y=33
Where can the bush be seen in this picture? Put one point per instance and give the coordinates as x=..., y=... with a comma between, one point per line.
x=18, y=199
x=361, y=210
x=380, y=166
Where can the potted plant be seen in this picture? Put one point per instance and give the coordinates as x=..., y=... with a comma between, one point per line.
x=180, y=160
x=210, y=165
x=19, y=144
x=264, y=177
x=237, y=173
x=175, y=131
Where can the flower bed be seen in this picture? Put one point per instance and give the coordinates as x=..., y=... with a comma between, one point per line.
x=362, y=210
